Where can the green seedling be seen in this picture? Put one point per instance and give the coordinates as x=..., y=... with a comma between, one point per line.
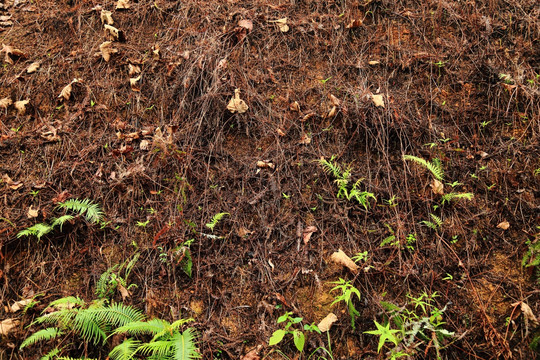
x=347, y=292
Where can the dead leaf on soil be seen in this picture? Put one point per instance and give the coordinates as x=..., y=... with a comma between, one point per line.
x=334, y=100
x=265, y=164
x=5, y=20
x=295, y=106
x=305, y=139
x=374, y=62
x=437, y=187
x=377, y=100
x=355, y=23
x=106, y=17
x=19, y=305
x=527, y=312
x=8, y=325
x=253, y=354
x=327, y=322
x=106, y=50
x=332, y=112
x=282, y=24
x=12, y=54
x=306, y=235
x=21, y=106
x=134, y=82
x=124, y=292
x=13, y=185
x=341, y=258
x=280, y=132
x=5, y=102
x=144, y=145
x=155, y=52
x=243, y=232
x=33, y=67
x=246, y=24
x=114, y=32
x=133, y=69
x=32, y=213
x=65, y=94
x=236, y=104
x=123, y=5
x=222, y=64
x=504, y=225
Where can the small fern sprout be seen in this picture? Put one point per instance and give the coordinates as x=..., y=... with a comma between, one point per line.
x=456, y=196
x=86, y=208
x=216, y=219
x=37, y=230
x=435, y=166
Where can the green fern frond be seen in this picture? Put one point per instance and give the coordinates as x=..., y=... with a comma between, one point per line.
x=437, y=220
x=62, y=318
x=362, y=197
x=61, y=221
x=212, y=224
x=179, y=323
x=90, y=326
x=103, y=285
x=331, y=167
x=456, y=196
x=125, y=350
x=85, y=207
x=67, y=302
x=70, y=358
x=41, y=335
x=37, y=230
x=116, y=314
x=152, y=327
x=51, y=354
x=159, y=349
x=435, y=167
x=185, y=345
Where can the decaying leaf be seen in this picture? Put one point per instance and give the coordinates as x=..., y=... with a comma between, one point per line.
x=106, y=50
x=155, y=52
x=32, y=213
x=106, y=17
x=332, y=112
x=265, y=164
x=133, y=69
x=12, y=54
x=334, y=100
x=13, y=185
x=253, y=354
x=19, y=305
x=144, y=145
x=236, y=104
x=123, y=291
x=327, y=322
x=374, y=62
x=8, y=325
x=282, y=24
x=295, y=106
x=122, y=5
x=355, y=23
x=5, y=102
x=341, y=258
x=527, y=312
x=246, y=24
x=306, y=234
x=114, y=32
x=243, y=232
x=33, y=67
x=437, y=187
x=134, y=82
x=280, y=132
x=504, y=225
x=5, y=20
x=305, y=139
x=377, y=100
x=21, y=106
x=65, y=94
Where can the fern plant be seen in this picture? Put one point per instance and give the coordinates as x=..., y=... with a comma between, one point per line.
x=456, y=196
x=435, y=224
x=342, y=180
x=216, y=219
x=111, y=280
x=435, y=166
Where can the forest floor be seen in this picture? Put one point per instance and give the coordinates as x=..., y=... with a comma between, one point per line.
x=287, y=123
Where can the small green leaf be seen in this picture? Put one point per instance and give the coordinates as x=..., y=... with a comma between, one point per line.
x=299, y=340
x=276, y=337
x=282, y=318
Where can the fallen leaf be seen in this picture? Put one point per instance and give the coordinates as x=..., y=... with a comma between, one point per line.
x=306, y=235
x=236, y=104
x=33, y=67
x=265, y=164
x=341, y=258
x=5, y=20
x=528, y=313
x=19, y=305
x=14, y=185
x=332, y=112
x=66, y=91
x=282, y=24
x=334, y=100
x=374, y=62
x=106, y=50
x=12, y=54
x=222, y=64
x=106, y=17
x=327, y=322
x=123, y=5
x=133, y=69
x=378, y=100
x=115, y=33
x=253, y=354
x=155, y=52
x=355, y=23
x=123, y=291
x=8, y=325
x=246, y=24
x=5, y=102
x=280, y=132
x=32, y=213
x=243, y=232
x=295, y=106
x=21, y=106
x=437, y=187
x=305, y=139
x=504, y=225
x=144, y=145
x=134, y=82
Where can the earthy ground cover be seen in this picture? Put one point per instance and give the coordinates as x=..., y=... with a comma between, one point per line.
x=148, y=131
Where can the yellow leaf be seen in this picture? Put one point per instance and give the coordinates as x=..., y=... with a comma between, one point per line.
x=377, y=100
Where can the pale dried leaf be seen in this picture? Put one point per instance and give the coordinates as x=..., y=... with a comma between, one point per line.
x=5, y=102
x=155, y=52
x=295, y=106
x=528, y=313
x=332, y=112
x=437, y=187
x=253, y=354
x=8, y=325
x=504, y=225
x=282, y=24
x=123, y=291
x=19, y=305
x=236, y=104
x=341, y=258
x=334, y=100
x=306, y=235
x=280, y=132
x=32, y=213
x=21, y=106
x=106, y=50
x=13, y=185
x=243, y=232
x=106, y=17
x=134, y=82
x=11, y=53
x=355, y=23
x=246, y=24
x=144, y=145
x=133, y=69
x=66, y=91
x=305, y=139
x=115, y=33
x=123, y=5
x=265, y=164
x=374, y=62
x=377, y=100
x=33, y=67
x=327, y=322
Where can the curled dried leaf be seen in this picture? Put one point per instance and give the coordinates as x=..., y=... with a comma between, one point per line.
x=295, y=106
x=12, y=54
x=19, y=305
x=32, y=213
x=106, y=50
x=377, y=100
x=5, y=102
x=8, y=325
x=334, y=100
x=341, y=258
x=246, y=24
x=114, y=32
x=265, y=164
x=65, y=94
x=236, y=104
x=437, y=187
x=21, y=106
x=305, y=139
x=33, y=67
x=282, y=24
x=306, y=234
x=505, y=225
x=106, y=17
x=133, y=69
x=123, y=5
x=134, y=82
x=327, y=322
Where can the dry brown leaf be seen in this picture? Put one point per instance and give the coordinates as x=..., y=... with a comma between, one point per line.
x=306, y=235
x=504, y=225
x=8, y=325
x=528, y=313
x=355, y=23
x=115, y=33
x=280, y=132
x=334, y=100
x=33, y=67
x=305, y=139
x=144, y=145
x=265, y=164
x=123, y=291
x=65, y=94
x=12, y=54
x=19, y=305
x=282, y=24
x=243, y=232
x=133, y=69
x=5, y=102
x=13, y=185
x=246, y=24
x=253, y=354
x=123, y=5
x=106, y=50
x=377, y=100
x=106, y=17
x=21, y=106
x=327, y=322
x=295, y=106
x=32, y=213
x=437, y=187
x=155, y=52
x=236, y=104
x=374, y=62
x=332, y=112
x=340, y=257
x=134, y=82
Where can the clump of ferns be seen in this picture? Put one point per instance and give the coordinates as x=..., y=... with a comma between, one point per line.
x=343, y=179
x=85, y=208
x=97, y=321
x=111, y=280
